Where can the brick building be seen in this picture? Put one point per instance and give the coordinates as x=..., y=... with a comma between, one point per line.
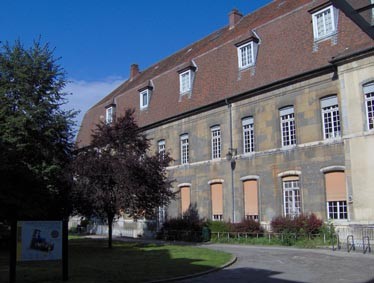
x=271, y=115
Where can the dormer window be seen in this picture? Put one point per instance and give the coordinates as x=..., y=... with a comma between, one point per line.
x=109, y=113
x=186, y=78
x=145, y=96
x=325, y=22
x=144, y=99
x=247, y=53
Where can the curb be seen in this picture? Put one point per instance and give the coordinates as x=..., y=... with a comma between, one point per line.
x=230, y=262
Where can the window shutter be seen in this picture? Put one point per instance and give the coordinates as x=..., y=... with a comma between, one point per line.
x=185, y=198
x=335, y=186
x=217, y=199
x=250, y=197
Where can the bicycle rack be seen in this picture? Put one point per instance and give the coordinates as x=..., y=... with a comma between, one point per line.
x=366, y=247
x=338, y=246
x=350, y=246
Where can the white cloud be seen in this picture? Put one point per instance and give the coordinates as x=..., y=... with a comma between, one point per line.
x=85, y=94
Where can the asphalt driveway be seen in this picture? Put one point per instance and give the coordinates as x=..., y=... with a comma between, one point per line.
x=278, y=264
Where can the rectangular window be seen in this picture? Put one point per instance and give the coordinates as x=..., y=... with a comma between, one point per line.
x=184, y=149
x=337, y=209
x=288, y=128
x=185, y=81
x=369, y=102
x=144, y=99
x=161, y=148
x=216, y=142
x=217, y=201
x=109, y=113
x=248, y=135
x=330, y=117
x=246, y=55
x=291, y=198
x=325, y=22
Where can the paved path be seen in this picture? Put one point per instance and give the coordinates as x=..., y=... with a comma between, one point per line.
x=277, y=264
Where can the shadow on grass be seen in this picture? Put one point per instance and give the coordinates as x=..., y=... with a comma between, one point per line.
x=91, y=261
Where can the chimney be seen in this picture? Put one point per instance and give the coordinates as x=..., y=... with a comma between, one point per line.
x=134, y=71
x=234, y=18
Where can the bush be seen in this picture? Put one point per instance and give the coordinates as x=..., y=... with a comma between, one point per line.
x=218, y=226
x=247, y=225
x=303, y=224
x=186, y=228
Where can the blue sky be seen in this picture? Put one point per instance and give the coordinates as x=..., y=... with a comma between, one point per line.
x=98, y=40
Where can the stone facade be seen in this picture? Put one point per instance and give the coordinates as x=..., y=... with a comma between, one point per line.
x=318, y=84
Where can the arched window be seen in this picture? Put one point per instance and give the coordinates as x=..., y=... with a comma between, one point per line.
x=185, y=192
x=250, y=190
x=217, y=201
x=291, y=196
x=336, y=195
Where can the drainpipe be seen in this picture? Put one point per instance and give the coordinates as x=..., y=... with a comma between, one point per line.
x=231, y=157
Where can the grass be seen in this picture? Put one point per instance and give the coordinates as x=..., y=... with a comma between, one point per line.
x=91, y=261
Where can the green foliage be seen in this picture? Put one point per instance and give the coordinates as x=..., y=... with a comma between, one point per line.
x=219, y=226
x=36, y=136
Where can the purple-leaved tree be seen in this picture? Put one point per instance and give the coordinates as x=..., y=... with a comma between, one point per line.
x=116, y=172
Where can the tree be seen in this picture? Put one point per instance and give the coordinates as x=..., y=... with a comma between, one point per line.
x=36, y=136
x=116, y=173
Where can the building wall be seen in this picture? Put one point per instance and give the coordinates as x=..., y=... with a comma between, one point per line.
x=358, y=140
x=269, y=160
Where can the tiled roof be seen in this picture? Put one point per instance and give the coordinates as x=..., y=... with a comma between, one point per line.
x=286, y=48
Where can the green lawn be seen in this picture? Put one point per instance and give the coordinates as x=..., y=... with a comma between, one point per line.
x=91, y=261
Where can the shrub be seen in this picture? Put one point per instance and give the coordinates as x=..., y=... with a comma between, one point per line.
x=218, y=226
x=303, y=224
x=247, y=225
x=185, y=228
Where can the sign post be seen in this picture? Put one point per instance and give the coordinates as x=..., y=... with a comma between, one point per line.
x=38, y=241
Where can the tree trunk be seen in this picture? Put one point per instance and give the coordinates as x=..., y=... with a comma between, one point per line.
x=110, y=230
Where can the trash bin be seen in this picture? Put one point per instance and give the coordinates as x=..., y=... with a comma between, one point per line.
x=205, y=234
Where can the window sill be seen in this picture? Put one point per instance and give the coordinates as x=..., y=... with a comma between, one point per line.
x=325, y=37
x=246, y=67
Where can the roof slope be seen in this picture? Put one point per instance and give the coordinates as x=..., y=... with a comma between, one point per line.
x=286, y=49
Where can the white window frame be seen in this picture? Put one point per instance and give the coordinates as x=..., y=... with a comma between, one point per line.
x=144, y=105
x=248, y=135
x=216, y=142
x=161, y=148
x=246, y=55
x=288, y=126
x=184, y=149
x=369, y=104
x=109, y=114
x=217, y=217
x=252, y=217
x=185, y=81
x=330, y=117
x=334, y=22
x=341, y=210
x=292, y=203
